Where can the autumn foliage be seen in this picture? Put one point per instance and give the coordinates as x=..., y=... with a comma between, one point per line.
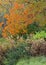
x=19, y=14
x=18, y=18
x=1, y=23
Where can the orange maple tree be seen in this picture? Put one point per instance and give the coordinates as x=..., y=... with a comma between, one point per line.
x=18, y=18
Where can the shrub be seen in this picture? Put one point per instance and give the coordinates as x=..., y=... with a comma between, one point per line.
x=14, y=54
x=41, y=60
x=38, y=47
x=39, y=35
x=4, y=46
x=34, y=27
